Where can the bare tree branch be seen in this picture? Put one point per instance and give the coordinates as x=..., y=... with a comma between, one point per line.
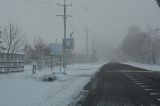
x=12, y=36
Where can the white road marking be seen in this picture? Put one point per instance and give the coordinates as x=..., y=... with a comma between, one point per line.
x=143, y=86
x=154, y=93
x=148, y=89
x=140, y=83
x=136, y=81
x=158, y=100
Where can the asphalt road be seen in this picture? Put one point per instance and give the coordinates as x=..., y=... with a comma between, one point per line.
x=122, y=85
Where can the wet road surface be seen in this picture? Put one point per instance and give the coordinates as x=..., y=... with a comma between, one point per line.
x=122, y=85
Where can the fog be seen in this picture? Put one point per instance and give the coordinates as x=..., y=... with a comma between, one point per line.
x=106, y=20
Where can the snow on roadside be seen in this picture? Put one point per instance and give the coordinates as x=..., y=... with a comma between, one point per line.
x=25, y=89
x=152, y=67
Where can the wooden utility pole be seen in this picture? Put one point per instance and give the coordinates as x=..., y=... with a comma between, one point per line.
x=87, y=40
x=65, y=16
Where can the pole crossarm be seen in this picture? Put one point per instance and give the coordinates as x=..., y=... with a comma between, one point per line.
x=58, y=4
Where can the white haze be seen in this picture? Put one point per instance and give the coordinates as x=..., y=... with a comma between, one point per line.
x=107, y=20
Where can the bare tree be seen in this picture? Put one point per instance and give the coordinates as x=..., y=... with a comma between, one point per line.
x=13, y=41
x=40, y=51
x=41, y=48
x=142, y=46
x=13, y=38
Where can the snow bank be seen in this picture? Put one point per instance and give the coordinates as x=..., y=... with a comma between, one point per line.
x=25, y=89
x=152, y=67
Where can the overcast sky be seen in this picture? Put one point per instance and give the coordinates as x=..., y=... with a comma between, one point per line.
x=107, y=20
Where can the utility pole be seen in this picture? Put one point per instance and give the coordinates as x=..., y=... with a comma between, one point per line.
x=93, y=57
x=87, y=40
x=93, y=45
x=1, y=45
x=65, y=16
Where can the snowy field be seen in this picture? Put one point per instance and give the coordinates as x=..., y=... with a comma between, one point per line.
x=25, y=89
x=152, y=67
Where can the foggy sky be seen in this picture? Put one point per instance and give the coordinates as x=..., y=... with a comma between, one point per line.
x=107, y=20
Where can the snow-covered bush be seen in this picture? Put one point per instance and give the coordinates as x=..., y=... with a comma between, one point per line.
x=49, y=77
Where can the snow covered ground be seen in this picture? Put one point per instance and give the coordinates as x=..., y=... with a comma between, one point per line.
x=152, y=67
x=25, y=89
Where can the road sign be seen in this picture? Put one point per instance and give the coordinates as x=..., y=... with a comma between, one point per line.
x=56, y=48
x=68, y=43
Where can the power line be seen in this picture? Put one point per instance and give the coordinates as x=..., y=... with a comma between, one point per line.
x=50, y=2
x=74, y=28
x=40, y=3
x=35, y=2
x=80, y=18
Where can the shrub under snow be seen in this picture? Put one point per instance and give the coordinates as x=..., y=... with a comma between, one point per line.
x=49, y=77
